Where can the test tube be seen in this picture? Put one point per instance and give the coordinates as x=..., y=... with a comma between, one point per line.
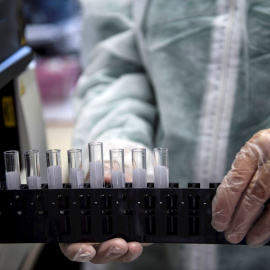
x=54, y=170
x=75, y=168
x=96, y=169
x=161, y=168
x=139, y=173
x=117, y=168
x=32, y=169
x=12, y=169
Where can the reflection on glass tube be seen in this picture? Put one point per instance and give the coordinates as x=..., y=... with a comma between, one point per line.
x=117, y=168
x=12, y=169
x=161, y=168
x=32, y=168
x=75, y=168
x=96, y=169
x=54, y=170
x=139, y=173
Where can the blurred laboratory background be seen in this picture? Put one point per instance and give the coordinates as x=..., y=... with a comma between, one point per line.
x=52, y=29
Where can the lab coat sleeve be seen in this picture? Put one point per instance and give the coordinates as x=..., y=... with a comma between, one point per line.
x=113, y=101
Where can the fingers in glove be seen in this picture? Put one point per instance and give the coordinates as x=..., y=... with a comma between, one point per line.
x=134, y=251
x=229, y=192
x=260, y=232
x=251, y=205
x=110, y=251
x=79, y=252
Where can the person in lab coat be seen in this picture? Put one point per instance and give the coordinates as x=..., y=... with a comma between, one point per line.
x=194, y=77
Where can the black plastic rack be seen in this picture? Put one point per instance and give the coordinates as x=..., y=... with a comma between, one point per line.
x=153, y=215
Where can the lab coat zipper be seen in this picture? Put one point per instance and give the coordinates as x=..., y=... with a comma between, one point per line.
x=222, y=92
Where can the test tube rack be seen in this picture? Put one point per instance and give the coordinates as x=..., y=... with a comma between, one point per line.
x=153, y=215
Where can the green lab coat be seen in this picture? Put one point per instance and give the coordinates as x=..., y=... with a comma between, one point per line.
x=192, y=76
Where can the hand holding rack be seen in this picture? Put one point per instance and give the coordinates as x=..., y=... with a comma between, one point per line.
x=158, y=212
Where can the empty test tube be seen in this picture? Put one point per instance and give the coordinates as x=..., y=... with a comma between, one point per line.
x=139, y=173
x=117, y=168
x=161, y=168
x=54, y=170
x=32, y=168
x=75, y=168
x=12, y=169
x=96, y=169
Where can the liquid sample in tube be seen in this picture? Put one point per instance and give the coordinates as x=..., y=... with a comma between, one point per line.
x=161, y=176
x=96, y=174
x=139, y=177
x=54, y=174
x=13, y=180
x=96, y=168
x=139, y=173
x=12, y=169
x=54, y=170
x=76, y=175
x=161, y=168
x=32, y=168
x=76, y=178
x=117, y=168
x=34, y=182
x=118, y=179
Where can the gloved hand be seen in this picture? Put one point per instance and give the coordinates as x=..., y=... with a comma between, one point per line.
x=240, y=207
x=116, y=249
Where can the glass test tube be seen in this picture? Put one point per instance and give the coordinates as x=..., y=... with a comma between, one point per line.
x=139, y=173
x=96, y=169
x=32, y=168
x=117, y=168
x=54, y=170
x=161, y=168
x=12, y=169
x=75, y=168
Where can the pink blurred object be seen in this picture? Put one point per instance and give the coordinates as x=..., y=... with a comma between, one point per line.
x=57, y=77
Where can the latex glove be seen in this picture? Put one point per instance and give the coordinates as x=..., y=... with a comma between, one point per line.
x=116, y=249
x=240, y=206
